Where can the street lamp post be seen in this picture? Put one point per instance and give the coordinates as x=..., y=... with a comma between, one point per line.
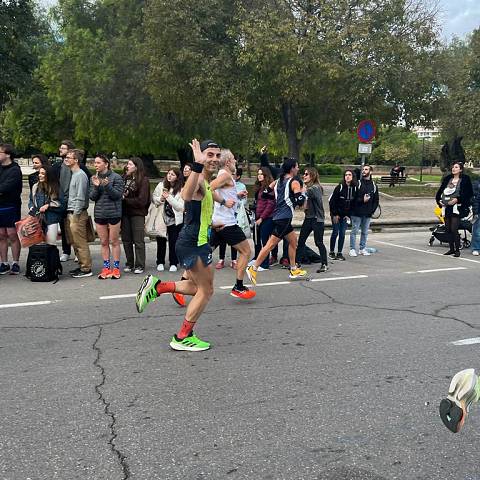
x=423, y=159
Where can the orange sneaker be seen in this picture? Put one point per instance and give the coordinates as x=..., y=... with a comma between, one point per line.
x=179, y=299
x=115, y=274
x=245, y=293
x=105, y=273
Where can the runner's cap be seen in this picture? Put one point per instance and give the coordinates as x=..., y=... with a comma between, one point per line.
x=208, y=144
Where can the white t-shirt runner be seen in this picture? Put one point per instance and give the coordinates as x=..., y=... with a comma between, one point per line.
x=221, y=214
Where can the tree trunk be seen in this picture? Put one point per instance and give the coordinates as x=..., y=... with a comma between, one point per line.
x=290, y=129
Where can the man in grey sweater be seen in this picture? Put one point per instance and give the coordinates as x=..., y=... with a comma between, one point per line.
x=77, y=215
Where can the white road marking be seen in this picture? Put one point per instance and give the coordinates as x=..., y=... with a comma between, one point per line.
x=441, y=270
x=423, y=251
x=331, y=279
x=26, y=304
x=113, y=297
x=467, y=341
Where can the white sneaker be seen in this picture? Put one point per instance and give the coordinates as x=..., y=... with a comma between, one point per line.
x=173, y=268
x=65, y=258
x=475, y=252
x=160, y=267
x=261, y=269
x=138, y=270
x=127, y=269
x=353, y=253
x=365, y=252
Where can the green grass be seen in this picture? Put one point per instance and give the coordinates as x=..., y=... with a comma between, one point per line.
x=428, y=178
x=420, y=191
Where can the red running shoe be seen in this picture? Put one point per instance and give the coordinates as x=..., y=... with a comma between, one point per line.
x=179, y=299
x=245, y=294
x=105, y=273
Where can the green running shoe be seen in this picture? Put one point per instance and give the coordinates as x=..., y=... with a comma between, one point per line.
x=146, y=293
x=189, y=344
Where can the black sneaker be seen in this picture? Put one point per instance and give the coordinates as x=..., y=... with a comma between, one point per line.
x=82, y=274
x=339, y=256
x=456, y=254
x=4, y=268
x=15, y=269
x=323, y=268
x=75, y=270
x=332, y=255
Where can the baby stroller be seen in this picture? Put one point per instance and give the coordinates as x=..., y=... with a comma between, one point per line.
x=439, y=233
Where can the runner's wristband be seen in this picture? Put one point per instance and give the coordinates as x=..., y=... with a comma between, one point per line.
x=197, y=167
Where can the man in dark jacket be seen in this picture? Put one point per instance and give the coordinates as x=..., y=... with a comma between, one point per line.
x=10, y=208
x=365, y=203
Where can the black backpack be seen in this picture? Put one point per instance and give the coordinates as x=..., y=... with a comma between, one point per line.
x=43, y=263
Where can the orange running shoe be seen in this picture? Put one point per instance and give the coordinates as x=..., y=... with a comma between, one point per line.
x=115, y=275
x=105, y=273
x=245, y=293
x=179, y=299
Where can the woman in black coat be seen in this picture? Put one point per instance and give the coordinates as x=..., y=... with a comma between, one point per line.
x=455, y=197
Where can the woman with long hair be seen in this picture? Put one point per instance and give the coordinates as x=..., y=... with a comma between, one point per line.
x=136, y=200
x=167, y=195
x=454, y=196
x=314, y=218
x=38, y=160
x=341, y=203
x=264, y=207
x=46, y=198
x=106, y=190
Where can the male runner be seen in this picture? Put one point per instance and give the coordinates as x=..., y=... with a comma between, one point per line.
x=463, y=391
x=288, y=194
x=192, y=248
x=224, y=221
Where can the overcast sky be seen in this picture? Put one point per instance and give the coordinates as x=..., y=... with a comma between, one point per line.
x=457, y=17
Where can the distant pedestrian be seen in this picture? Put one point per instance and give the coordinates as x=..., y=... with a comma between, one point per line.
x=77, y=214
x=47, y=199
x=265, y=206
x=106, y=190
x=167, y=195
x=10, y=207
x=476, y=223
x=365, y=203
x=454, y=196
x=341, y=203
x=136, y=200
x=38, y=161
x=314, y=218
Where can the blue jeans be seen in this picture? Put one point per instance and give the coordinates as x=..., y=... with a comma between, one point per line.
x=338, y=230
x=263, y=234
x=476, y=236
x=362, y=224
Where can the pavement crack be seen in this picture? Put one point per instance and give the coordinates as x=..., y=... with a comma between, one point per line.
x=435, y=314
x=106, y=408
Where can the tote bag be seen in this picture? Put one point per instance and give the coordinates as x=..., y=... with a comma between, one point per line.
x=154, y=222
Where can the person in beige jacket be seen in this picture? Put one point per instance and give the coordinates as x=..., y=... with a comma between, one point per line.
x=167, y=195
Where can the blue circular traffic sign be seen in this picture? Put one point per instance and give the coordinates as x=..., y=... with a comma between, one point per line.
x=366, y=131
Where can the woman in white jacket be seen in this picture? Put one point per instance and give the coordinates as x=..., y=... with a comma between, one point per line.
x=167, y=194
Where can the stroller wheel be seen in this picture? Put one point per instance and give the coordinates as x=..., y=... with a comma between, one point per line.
x=466, y=243
x=432, y=239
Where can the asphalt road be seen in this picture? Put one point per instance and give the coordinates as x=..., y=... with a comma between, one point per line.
x=339, y=377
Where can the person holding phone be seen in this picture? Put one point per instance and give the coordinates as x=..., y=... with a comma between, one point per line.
x=365, y=203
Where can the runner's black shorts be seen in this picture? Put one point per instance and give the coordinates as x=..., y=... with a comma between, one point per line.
x=187, y=254
x=281, y=228
x=108, y=221
x=231, y=235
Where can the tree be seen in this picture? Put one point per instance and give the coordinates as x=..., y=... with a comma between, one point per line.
x=20, y=33
x=298, y=66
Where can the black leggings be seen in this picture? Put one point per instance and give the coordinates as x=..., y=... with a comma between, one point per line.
x=451, y=227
